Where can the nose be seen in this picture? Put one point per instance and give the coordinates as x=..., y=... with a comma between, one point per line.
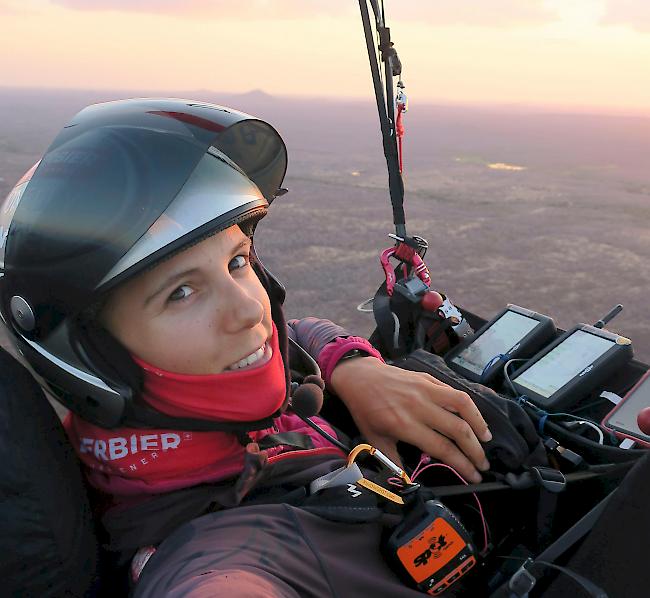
x=244, y=308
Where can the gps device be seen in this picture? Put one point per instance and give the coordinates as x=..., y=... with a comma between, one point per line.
x=572, y=366
x=430, y=548
x=622, y=420
x=513, y=333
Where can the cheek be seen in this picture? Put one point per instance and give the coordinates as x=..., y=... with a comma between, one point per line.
x=169, y=341
x=178, y=344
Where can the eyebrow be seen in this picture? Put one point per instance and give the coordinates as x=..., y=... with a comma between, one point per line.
x=178, y=276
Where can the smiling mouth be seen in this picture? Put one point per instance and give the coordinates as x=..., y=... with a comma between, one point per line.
x=255, y=359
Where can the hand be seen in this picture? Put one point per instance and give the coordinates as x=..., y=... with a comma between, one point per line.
x=390, y=404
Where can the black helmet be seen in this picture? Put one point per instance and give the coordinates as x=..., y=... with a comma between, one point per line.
x=124, y=185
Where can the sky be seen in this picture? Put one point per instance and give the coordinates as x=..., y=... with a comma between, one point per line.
x=580, y=54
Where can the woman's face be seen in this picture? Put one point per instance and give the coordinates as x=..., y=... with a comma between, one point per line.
x=203, y=311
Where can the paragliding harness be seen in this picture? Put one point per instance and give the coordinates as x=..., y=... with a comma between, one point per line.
x=409, y=314
x=495, y=538
x=431, y=548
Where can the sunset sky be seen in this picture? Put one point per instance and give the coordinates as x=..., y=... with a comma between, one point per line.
x=587, y=54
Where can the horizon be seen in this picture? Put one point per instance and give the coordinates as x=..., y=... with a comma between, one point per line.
x=513, y=107
x=559, y=201
x=583, y=56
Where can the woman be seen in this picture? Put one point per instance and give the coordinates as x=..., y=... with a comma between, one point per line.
x=132, y=288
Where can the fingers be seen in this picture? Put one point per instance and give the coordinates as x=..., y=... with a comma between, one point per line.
x=452, y=427
x=429, y=378
x=459, y=432
x=459, y=402
x=389, y=404
x=442, y=448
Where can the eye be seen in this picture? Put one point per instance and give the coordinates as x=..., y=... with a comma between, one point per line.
x=239, y=261
x=182, y=292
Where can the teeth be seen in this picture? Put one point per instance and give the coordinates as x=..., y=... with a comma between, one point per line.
x=250, y=360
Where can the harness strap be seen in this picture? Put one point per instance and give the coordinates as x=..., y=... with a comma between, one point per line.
x=437, y=340
x=294, y=439
x=384, y=108
x=575, y=533
x=546, y=508
x=527, y=480
x=524, y=579
x=386, y=323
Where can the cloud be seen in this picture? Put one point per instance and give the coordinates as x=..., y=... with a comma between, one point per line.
x=496, y=13
x=631, y=13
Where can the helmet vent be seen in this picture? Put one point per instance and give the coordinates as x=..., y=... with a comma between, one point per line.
x=22, y=313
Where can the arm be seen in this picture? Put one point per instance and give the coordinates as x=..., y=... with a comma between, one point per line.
x=389, y=404
x=312, y=334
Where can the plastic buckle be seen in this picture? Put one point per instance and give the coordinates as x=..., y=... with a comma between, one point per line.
x=569, y=457
x=523, y=581
x=412, y=288
x=548, y=478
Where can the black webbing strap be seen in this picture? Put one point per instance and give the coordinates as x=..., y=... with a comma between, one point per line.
x=546, y=508
x=385, y=321
x=389, y=139
x=294, y=439
x=525, y=579
x=525, y=481
x=575, y=533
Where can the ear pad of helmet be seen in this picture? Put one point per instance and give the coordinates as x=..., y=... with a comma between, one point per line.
x=113, y=364
x=109, y=356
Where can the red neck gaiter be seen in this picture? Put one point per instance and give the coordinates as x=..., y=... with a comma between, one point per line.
x=236, y=396
x=133, y=461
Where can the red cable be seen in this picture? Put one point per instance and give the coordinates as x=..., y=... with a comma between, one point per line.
x=419, y=469
x=399, y=132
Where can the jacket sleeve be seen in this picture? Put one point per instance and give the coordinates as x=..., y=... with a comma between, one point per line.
x=312, y=334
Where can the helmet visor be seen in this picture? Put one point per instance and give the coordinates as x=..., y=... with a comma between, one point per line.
x=216, y=196
x=127, y=181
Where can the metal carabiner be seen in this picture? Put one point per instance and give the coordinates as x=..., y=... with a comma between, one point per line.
x=402, y=101
x=389, y=272
x=408, y=255
x=383, y=459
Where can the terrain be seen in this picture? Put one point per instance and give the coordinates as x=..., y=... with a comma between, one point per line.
x=547, y=210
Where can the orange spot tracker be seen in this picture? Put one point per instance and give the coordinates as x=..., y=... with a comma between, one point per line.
x=432, y=548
